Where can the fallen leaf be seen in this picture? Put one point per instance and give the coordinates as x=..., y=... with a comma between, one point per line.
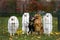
x=38, y=37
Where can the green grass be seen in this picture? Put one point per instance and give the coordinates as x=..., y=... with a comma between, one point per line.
x=4, y=35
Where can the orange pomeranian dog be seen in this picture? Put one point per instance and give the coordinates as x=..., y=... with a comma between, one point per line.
x=38, y=24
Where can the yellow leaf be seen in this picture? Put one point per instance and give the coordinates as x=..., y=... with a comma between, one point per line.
x=19, y=32
x=51, y=33
x=38, y=37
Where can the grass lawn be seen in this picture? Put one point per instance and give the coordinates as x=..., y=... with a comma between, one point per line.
x=4, y=35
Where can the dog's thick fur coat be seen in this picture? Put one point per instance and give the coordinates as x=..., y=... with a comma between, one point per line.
x=38, y=23
x=13, y=25
x=47, y=23
x=25, y=23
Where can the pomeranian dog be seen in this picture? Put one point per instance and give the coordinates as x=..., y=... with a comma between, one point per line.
x=47, y=23
x=38, y=24
x=13, y=25
x=25, y=23
x=31, y=25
